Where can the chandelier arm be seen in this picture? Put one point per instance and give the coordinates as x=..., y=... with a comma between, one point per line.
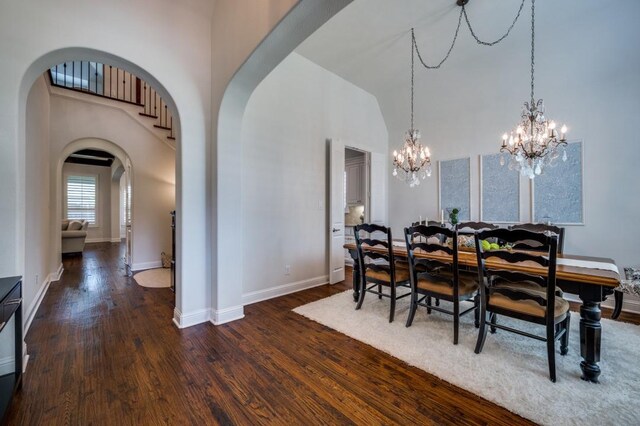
x=453, y=42
x=491, y=43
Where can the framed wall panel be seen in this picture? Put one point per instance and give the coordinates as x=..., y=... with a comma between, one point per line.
x=454, y=177
x=558, y=195
x=499, y=191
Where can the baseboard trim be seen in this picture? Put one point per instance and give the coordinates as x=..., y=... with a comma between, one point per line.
x=115, y=240
x=223, y=316
x=25, y=357
x=146, y=265
x=190, y=319
x=44, y=287
x=631, y=305
x=97, y=240
x=281, y=290
x=55, y=276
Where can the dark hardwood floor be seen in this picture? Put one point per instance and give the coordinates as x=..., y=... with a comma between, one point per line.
x=104, y=351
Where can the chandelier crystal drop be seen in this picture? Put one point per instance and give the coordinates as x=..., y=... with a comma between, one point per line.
x=535, y=143
x=413, y=161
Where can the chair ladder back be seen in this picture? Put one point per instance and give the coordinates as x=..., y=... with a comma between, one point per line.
x=367, y=250
x=543, y=228
x=417, y=237
x=488, y=274
x=469, y=228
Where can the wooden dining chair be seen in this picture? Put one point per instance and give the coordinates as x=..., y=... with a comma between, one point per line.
x=529, y=295
x=378, y=268
x=540, y=227
x=437, y=278
x=469, y=228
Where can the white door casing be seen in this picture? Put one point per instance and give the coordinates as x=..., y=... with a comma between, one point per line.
x=377, y=188
x=336, y=211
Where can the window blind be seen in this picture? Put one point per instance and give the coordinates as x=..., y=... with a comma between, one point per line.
x=81, y=198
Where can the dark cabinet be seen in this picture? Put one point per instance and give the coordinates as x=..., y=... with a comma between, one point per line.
x=11, y=306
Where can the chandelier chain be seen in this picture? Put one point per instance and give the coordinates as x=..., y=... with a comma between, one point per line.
x=463, y=11
x=453, y=43
x=491, y=43
x=412, y=72
x=533, y=46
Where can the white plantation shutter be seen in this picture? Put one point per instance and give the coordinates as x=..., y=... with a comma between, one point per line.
x=81, y=198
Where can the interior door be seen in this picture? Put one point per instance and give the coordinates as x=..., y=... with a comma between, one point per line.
x=127, y=217
x=336, y=211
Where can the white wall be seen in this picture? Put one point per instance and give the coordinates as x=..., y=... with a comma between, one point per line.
x=237, y=72
x=153, y=167
x=101, y=230
x=287, y=122
x=38, y=204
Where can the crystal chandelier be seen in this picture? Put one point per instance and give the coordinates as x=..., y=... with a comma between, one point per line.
x=414, y=160
x=536, y=142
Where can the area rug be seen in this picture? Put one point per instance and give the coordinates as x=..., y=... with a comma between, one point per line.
x=511, y=370
x=155, y=278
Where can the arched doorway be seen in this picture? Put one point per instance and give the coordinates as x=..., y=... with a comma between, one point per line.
x=112, y=215
x=56, y=158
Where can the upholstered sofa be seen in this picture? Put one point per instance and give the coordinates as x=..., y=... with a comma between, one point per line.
x=74, y=234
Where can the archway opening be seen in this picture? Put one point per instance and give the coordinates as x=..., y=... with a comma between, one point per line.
x=53, y=128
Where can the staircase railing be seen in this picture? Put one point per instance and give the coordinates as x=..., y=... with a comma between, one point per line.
x=107, y=81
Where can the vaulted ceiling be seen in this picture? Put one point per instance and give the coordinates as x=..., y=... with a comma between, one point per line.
x=368, y=44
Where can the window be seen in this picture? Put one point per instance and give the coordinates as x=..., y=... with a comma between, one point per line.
x=81, y=198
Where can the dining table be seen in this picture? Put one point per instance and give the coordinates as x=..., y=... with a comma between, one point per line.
x=591, y=278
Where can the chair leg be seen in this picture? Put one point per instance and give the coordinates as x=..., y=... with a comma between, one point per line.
x=437, y=302
x=363, y=290
x=551, y=353
x=412, y=308
x=494, y=320
x=618, y=308
x=428, y=304
x=393, y=302
x=482, y=332
x=476, y=311
x=564, y=342
x=379, y=291
x=456, y=320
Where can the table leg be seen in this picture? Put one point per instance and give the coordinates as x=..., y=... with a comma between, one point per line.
x=355, y=275
x=590, y=333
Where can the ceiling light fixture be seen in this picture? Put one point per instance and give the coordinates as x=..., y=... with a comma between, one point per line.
x=414, y=160
x=535, y=142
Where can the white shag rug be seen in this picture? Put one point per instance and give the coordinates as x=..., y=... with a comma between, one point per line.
x=155, y=278
x=511, y=371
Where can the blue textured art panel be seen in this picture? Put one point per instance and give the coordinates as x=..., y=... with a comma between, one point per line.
x=455, y=187
x=558, y=190
x=500, y=191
